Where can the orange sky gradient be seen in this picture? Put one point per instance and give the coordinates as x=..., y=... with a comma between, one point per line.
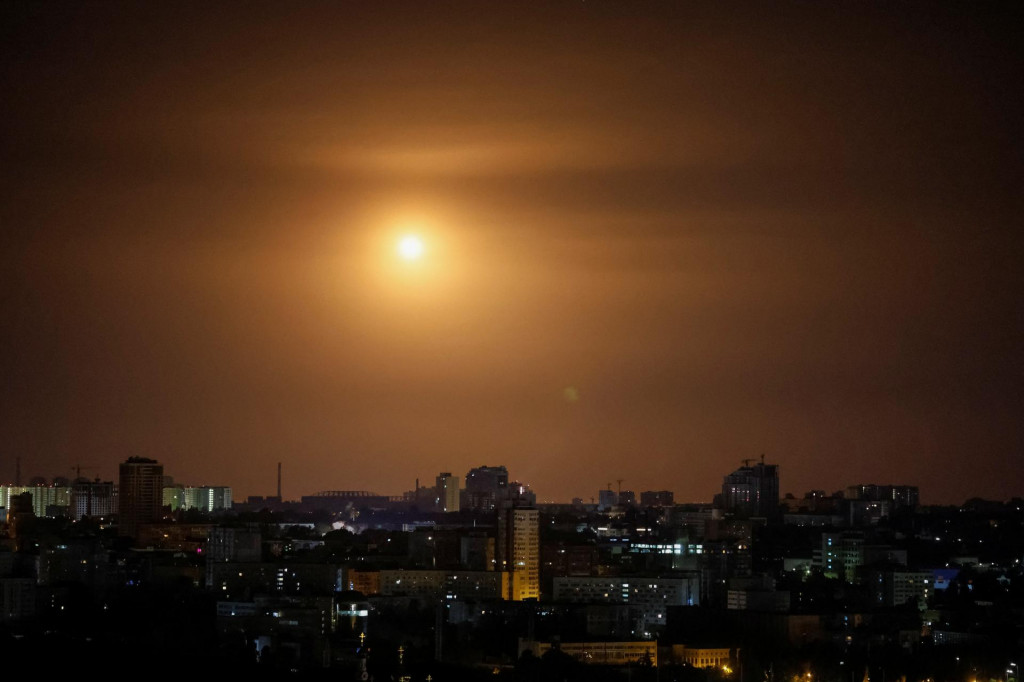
x=783, y=228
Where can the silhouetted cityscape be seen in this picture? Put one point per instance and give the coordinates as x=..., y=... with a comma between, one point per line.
x=473, y=578
x=542, y=340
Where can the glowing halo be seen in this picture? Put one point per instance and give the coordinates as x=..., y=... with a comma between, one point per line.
x=411, y=247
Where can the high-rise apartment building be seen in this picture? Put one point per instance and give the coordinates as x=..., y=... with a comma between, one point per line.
x=93, y=498
x=752, y=490
x=485, y=487
x=518, y=552
x=47, y=500
x=447, y=492
x=140, y=494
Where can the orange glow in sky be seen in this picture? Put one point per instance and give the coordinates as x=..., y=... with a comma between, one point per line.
x=580, y=240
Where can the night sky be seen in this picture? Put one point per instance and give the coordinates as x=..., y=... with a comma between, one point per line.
x=659, y=238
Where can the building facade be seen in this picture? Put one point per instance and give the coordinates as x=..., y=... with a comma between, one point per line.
x=651, y=595
x=140, y=494
x=485, y=487
x=517, y=552
x=93, y=498
x=752, y=490
x=447, y=492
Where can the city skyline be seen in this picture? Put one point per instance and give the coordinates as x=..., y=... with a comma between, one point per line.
x=423, y=478
x=748, y=491
x=589, y=240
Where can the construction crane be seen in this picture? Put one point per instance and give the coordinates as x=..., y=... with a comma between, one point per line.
x=620, y=480
x=78, y=470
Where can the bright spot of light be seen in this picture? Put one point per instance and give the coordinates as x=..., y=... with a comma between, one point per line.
x=411, y=247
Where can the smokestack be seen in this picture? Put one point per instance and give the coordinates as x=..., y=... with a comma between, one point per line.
x=279, y=480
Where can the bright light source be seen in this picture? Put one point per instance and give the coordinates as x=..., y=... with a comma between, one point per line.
x=411, y=247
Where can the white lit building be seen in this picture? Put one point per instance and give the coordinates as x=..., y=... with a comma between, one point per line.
x=45, y=498
x=203, y=498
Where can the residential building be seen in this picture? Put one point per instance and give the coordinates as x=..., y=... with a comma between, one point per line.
x=517, y=552
x=93, y=498
x=752, y=490
x=657, y=498
x=485, y=487
x=599, y=653
x=447, y=492
x=651, y=594
x=140, y=494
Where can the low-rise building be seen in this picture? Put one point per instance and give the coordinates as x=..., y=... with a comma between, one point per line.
x=599, y=653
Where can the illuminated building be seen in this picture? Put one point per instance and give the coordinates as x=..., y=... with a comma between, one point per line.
x=174, y=497
x=47, y=500
x=447, y=492
x=703, y=657
x=365, y=582
x=517, y=552
x=140, y=494
x=599, y=653
x=208, y=498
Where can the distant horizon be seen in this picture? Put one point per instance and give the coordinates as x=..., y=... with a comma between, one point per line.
x=587, y=499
